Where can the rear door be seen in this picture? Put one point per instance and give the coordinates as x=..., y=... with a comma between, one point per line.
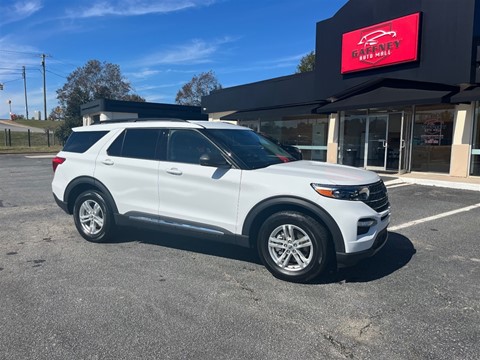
x=128, y=167
x=204, y=197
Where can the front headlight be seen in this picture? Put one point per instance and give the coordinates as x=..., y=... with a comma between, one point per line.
x=341, y=192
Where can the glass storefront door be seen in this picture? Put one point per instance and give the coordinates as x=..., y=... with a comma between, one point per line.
x=376, y=141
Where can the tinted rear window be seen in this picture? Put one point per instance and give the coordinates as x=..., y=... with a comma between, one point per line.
x=81, y=141
x=136, y=143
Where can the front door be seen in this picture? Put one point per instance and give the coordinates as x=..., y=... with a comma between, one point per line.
x=376, y=143
x=379, y=142
x=388, y=142
x=195, y=193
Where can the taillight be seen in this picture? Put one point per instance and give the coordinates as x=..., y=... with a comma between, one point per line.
x=57, y=160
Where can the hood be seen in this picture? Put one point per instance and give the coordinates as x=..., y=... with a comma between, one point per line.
x=323, y=173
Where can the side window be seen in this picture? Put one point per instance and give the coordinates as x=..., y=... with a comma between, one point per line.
x=136, y=143
x=81, y=141
x=115, y=148
x=187, y=146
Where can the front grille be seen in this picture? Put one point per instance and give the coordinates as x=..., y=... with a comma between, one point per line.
x=378, y=199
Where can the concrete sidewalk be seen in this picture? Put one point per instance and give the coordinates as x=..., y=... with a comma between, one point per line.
x=440, y=180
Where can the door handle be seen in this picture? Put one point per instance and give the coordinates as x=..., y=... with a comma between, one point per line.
x=174, y=171
x=107, y=162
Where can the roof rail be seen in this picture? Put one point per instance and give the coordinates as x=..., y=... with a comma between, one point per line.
x=138, y=120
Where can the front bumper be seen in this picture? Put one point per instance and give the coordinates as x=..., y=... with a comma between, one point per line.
x=344, y=259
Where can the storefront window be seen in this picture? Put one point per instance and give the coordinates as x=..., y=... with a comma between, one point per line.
x=475, y=162
x=432, y=138
x=352, y=138
x=307, y=134
x=251, y=124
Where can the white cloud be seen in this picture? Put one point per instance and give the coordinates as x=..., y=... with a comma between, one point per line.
x=142, y=74
x=135, y=7
x=276, y=63
x=19, y=10
x=26, y=8
x=160, y=86
x=195, y=52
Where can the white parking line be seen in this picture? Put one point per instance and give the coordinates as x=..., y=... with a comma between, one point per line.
x=398, y=185
x=435, y=217
x=40, y=156
x=393, y=182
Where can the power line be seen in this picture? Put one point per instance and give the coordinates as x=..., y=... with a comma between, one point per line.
x=9, y=81
x=64, y=62
x=51, y=72
x=21, y=52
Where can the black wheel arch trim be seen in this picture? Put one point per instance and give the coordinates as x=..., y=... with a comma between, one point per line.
x=88, y=180
x=311, y=207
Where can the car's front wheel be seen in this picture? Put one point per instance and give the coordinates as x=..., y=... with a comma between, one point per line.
x=93, y=217
x=293, y=246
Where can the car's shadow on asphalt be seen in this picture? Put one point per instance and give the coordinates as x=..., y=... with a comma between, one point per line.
x=396, y=253
x=188, y=243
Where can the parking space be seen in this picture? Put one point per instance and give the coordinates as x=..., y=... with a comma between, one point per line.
x=152, y=295
x=413, y=202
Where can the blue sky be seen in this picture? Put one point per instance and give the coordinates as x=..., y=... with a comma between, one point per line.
x=158, y=44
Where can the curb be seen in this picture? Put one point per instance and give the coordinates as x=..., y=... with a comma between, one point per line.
x=441, y=183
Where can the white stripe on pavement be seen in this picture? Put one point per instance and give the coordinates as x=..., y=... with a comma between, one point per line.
x=398, y=185
x=40, y=156
x=393, y=182
x=435, y=217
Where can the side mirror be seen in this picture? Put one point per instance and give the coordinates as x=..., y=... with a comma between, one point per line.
x=214, y=160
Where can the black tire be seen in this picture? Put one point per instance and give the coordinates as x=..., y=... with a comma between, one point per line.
x=93, y=217
x=301, y=249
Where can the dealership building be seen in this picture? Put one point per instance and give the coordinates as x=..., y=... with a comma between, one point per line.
x=396, y=87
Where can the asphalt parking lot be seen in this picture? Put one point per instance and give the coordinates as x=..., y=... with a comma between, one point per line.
x=156, y=296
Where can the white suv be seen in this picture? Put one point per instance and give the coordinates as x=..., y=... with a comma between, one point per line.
x=223, y=182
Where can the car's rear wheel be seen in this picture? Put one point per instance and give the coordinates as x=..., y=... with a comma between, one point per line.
x=93, y=216
x=293, y=246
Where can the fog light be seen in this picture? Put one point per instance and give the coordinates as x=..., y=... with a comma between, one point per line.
x=366, y=223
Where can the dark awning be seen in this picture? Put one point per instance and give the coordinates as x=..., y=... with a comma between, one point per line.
x=466, y=95
x=276, y=113
x=391, y=93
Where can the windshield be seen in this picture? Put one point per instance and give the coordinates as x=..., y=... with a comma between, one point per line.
x=251, y=148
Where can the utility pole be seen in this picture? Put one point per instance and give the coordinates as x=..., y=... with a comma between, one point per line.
x=25, y=87
x=44, y=89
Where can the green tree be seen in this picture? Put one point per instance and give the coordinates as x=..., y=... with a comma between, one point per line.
x=201, y=85
x=94, y=80
x=307, y=63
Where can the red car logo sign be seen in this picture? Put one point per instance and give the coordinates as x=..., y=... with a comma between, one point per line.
x=388, y=43
x=374, y=37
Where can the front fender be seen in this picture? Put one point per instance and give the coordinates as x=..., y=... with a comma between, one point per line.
x=275, y=204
